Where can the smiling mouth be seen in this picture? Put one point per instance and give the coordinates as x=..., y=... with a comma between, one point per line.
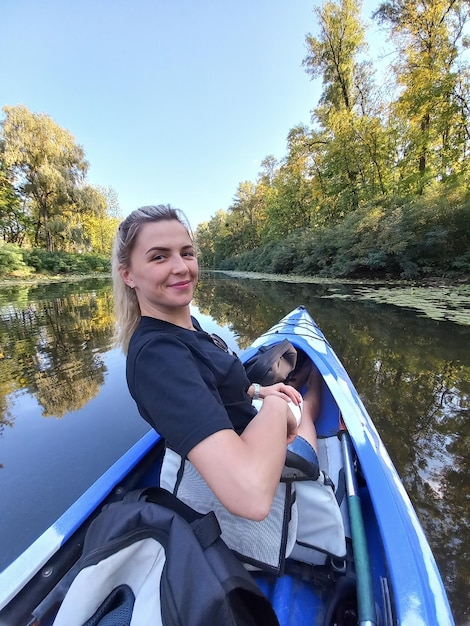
x=186, y=283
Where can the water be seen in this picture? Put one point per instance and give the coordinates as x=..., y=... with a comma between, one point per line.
x=66, y=415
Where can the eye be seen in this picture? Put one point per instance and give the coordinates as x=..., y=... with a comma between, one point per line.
x=158, y=257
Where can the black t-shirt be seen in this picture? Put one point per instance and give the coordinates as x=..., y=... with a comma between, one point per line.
x=184, y=385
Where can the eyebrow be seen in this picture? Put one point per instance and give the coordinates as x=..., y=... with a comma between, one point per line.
x=162, y=249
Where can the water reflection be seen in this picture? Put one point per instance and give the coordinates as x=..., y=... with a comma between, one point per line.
x=50, y=342
x=56, y=359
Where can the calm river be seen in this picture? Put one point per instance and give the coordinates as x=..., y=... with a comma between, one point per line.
x=66, y=416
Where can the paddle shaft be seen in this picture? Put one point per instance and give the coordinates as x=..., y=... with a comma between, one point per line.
x=365, y=594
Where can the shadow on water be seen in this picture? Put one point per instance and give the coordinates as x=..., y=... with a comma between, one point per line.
x=57, y=361
x=413, y=375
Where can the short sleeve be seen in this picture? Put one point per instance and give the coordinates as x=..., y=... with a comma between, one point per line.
x=173, y=396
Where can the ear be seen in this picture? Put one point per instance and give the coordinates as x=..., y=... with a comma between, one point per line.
x=126, y=277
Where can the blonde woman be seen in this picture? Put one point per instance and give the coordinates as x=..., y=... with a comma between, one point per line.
x=192, y=391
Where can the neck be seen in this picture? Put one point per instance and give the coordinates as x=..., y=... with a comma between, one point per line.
x=178, y=317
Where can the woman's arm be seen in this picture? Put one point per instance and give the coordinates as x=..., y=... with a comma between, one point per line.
x=244, y=471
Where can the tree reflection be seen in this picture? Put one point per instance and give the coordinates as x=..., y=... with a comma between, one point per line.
x=51, y=340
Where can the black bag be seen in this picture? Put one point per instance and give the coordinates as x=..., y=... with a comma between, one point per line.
x=272, y=364
x=151, y=558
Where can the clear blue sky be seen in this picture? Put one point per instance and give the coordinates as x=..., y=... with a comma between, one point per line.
x=173, y=101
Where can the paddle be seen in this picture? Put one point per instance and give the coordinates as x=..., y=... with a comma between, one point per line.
x=365, y=594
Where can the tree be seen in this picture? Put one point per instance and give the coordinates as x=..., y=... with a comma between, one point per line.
x=247, y=213
x=99, y=217
x=205, y=245
x=13, y=221
x=349, y=146
x=289, y=199
x=215, y=239
x=46, y=167
x=434, y=102
x=333, y=54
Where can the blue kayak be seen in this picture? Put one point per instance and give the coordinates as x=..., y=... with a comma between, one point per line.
x=390, y=576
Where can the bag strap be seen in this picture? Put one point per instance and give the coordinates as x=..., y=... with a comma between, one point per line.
x=205, y=527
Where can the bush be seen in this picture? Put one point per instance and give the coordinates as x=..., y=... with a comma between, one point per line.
x=66, y=262
x=396, y=237
x=11, y=259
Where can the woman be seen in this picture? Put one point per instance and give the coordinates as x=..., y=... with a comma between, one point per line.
x=195, y=394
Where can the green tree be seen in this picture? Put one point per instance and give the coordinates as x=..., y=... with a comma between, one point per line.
x=247, y=213
x=350, y=146
x=433, y=105
x=99, y=217
x=332, y=54
x=205, y=245
x=47, y=167
x=13, y=220
x=215, y=240
x=289, y=199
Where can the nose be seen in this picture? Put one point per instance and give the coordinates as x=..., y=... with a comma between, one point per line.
x=178, y=264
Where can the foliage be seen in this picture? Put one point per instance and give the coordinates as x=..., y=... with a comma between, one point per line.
x=350, y=145
x=12, y=220
x=45, y=200
x=433, y=101
x=65, y=262
x=399, y=237
x=11, y=259
x=46, y=166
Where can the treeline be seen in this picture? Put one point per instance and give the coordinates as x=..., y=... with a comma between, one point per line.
x=379, y=182
x=49, y=213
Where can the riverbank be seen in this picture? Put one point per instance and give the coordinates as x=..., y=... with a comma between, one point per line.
x=46, y=279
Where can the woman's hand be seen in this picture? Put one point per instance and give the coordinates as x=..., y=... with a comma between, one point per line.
x=282, y=390
x=289, y=394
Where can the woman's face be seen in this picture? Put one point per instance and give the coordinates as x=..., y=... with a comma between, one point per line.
x=163, y=268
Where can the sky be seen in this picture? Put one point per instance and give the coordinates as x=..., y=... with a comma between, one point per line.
x=173, y=101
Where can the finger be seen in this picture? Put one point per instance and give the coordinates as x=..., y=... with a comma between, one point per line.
x=293, y=394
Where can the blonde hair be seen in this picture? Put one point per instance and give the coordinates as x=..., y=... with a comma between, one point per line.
x=126, y=305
